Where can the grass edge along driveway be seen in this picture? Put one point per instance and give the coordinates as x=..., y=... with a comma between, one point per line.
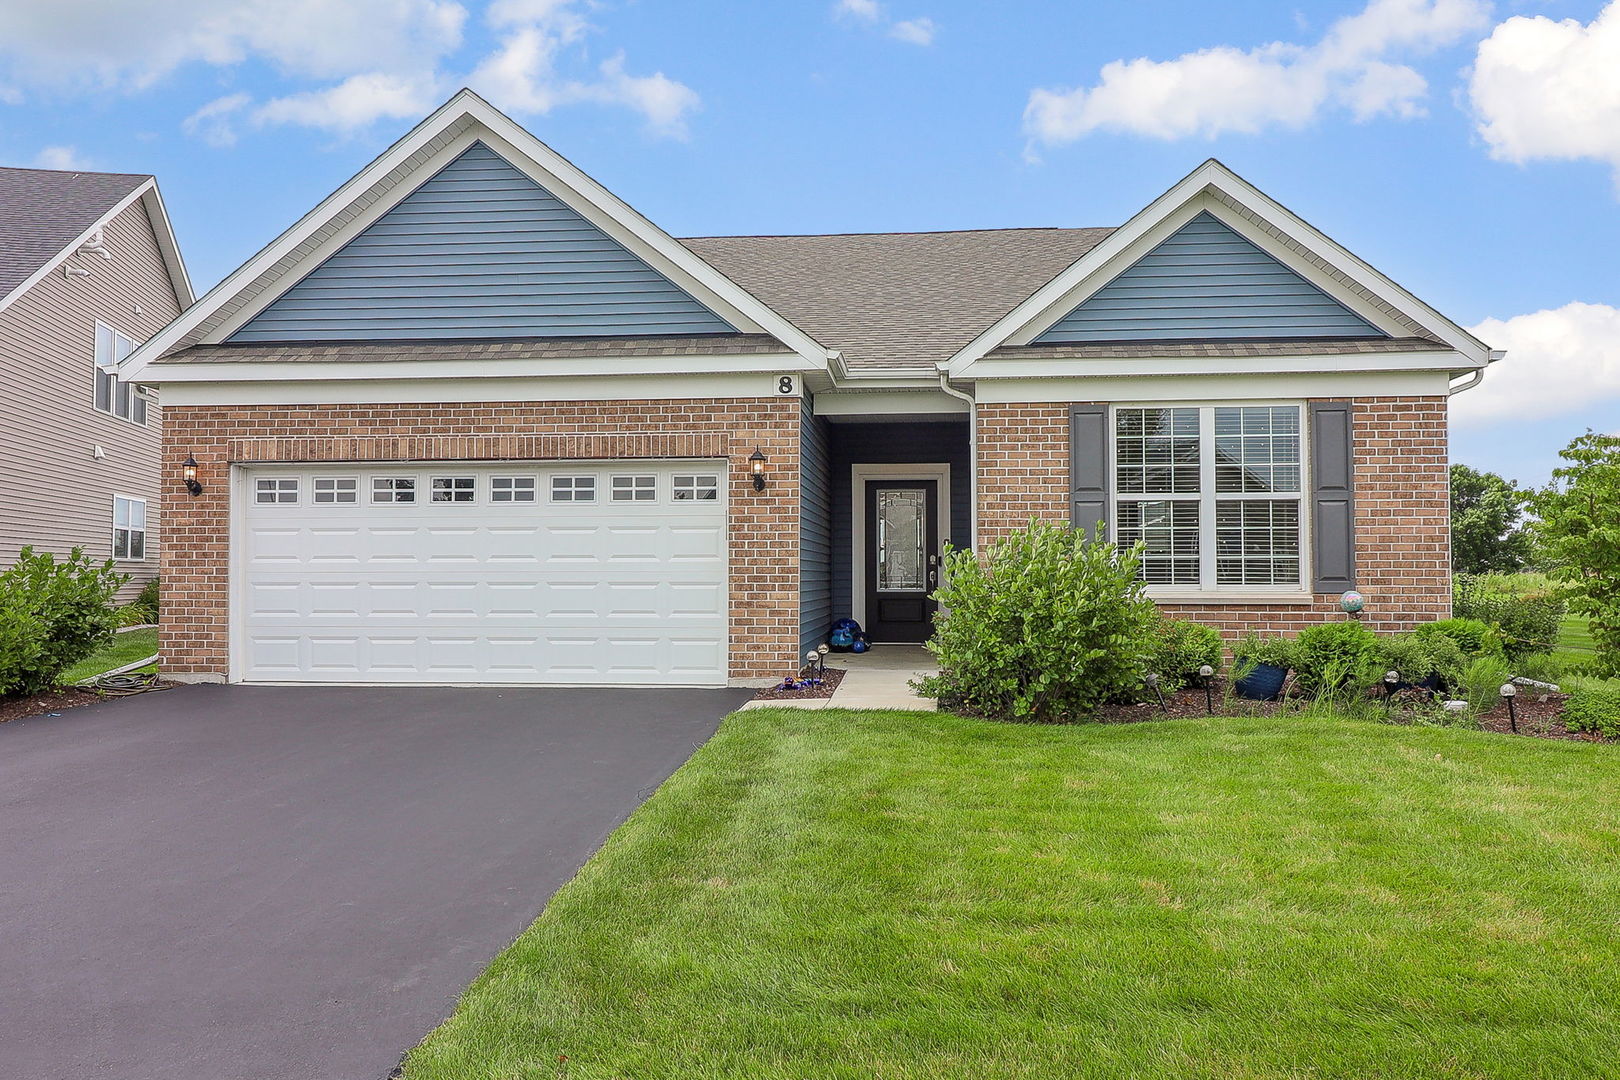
x=887, y=894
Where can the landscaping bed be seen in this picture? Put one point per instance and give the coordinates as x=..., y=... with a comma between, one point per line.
x=829, y=682
x=16, y=708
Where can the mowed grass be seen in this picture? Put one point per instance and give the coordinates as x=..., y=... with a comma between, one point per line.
x=125, y=648
x=1575, y=643
x=884, y=894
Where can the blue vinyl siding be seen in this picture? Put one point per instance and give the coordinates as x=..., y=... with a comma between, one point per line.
x=1207, y=283
x=815, y=532
x=881, y=444
x=481, y=251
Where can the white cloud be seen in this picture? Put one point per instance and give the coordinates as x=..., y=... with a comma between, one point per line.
x=1225, y=89
x=917, y=31
x=1559, y=360
x=356, y=103
x=114, y=44
x=65, y=158
x=1545, y=89
x=214, y=123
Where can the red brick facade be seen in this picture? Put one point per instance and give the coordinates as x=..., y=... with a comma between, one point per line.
x=764, y=586
x=1403, y=552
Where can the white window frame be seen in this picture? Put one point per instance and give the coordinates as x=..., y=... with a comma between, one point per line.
x=106, y=367
x=632, y=491
x=278, y=490
x=514, y=488
x=1208, y=499
x=334, y=490
x=388, y=480
x=453, y=489
x=573, y=487
x=129, y=527
x=695, y=486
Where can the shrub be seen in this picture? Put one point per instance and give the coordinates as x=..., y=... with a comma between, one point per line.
x=1333, y=655
x=1179, y=649
x=1594, y=708
x=1473, y=637
x=143, y=609
x=1419, y=655
x=1046, y=626
x=52, y=615
x=1252, y=649
x=1526, y=616
x=1578, y=521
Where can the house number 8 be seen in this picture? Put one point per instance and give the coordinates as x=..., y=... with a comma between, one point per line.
x=785, y=385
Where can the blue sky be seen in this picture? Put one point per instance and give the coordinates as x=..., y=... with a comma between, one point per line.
x=1471, y=151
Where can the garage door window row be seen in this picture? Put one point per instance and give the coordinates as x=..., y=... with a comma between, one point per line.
x=453, y=489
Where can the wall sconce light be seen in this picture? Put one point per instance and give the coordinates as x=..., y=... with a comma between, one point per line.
x=756, y=465
x=192, y=483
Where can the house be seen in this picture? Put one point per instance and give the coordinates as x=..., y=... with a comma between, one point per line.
x=89, y=268
x=475, y=419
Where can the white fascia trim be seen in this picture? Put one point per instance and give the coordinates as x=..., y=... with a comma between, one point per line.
x=473, y=118
x=1212, y=175
x=319, y=371
x=684, y=387
x=169, y=246
x=1211, y=388
x=985, y=371
x=847, y=402
x=62, y=256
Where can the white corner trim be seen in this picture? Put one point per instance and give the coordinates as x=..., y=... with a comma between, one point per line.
x=858, y=475
x=1214, y=177
x=463, y=119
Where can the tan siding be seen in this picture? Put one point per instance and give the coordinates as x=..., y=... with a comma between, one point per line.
x=58, y=495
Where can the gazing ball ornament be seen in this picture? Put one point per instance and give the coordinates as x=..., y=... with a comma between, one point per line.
x=1352, y=602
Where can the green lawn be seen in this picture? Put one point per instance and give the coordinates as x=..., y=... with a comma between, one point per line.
x=124, y=649
x=1575, y=642
x=882, y=894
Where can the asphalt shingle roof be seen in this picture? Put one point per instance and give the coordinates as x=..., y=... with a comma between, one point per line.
x=42, y=211
x=534, y=349
x=896, y=300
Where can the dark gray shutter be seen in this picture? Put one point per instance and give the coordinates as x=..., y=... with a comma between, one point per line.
x=1333, y=498
x=1088, y=466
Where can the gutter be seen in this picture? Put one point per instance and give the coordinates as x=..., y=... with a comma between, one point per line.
x=1477, y=377
x=973, y=456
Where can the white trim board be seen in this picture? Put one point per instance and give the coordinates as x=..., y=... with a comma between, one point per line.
x=1213, y=388
x=458, y=123
x=686, y=387
x=858, y=475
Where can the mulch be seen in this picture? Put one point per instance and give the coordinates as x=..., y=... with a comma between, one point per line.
x=1540, y=714
x=52, y=701
x=829, y=682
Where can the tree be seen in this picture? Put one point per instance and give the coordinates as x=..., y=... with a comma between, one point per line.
x=1579, y=533
x=1487, y=523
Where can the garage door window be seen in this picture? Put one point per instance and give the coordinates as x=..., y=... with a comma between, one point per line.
x=453, y=489
x=336, y=489
x=635, y=488
x=573, y=489
x=276, y=489
x=393, y=489
x=512, y=489
x=700, y=488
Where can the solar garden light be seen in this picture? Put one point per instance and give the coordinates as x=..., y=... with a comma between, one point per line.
x=1392, y=683
x=1509, y=692
x=1153, y=680
x=1207, y=674
x=812, y=661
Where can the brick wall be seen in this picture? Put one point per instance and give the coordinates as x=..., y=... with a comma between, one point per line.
x=764, y=578
x=1403, y=542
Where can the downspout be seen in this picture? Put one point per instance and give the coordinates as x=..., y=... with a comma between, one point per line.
x=973, y=457
x=1477, y=377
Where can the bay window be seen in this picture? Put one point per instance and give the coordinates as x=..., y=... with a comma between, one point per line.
x=1214, y=492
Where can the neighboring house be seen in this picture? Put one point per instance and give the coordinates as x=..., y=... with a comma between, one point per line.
x=474, y=419
x=88, y=270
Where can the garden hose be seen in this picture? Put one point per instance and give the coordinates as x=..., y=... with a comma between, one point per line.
x=124, y=685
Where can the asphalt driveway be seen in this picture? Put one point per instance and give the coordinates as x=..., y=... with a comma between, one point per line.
x=219, y=882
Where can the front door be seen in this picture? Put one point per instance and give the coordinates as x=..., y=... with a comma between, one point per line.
x=902, y=559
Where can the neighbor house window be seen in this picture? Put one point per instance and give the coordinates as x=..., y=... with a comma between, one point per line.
x=1213, y=492
x=573, y=489
x=112, y=394
x=453, y=489
x=129, y=528
x=512, y=489
x=635, y=488
x=703, y=488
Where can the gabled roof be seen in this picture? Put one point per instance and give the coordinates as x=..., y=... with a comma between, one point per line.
x=458, y=123
x=45, y=214
x=1212, y=186
x=896, y=301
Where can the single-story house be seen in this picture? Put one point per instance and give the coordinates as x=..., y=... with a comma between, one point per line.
x=475, y=419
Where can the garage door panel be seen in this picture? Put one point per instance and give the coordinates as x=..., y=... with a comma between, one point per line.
x=571, y=593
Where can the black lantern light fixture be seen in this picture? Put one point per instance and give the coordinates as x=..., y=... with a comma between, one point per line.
x=756, y=466
x=193, y=485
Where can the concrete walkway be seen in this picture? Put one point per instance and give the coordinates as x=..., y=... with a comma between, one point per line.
x=877, y=679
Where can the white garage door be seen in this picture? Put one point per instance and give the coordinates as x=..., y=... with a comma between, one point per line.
x=586, y=573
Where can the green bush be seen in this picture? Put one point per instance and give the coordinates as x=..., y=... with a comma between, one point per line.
x=1252, y=649
x=1473, y=637
x=143, y=609
x=1331, y=656
x=1179, y=648
x=1418, y=655
x=1048, y=625
x=1522, y=608
x=52, y=615
x=1594, y=708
